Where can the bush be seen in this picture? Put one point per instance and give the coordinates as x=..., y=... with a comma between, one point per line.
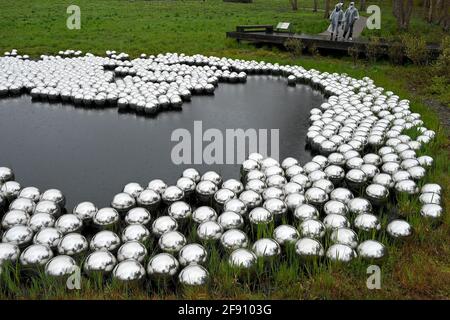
x=312, y=49
x=442, y=65
x=353, y=52
x=396, y=52
x=294, y=46
x=416, y=49
x=373, y=49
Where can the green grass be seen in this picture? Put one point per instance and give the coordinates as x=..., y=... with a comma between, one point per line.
x=415, y=268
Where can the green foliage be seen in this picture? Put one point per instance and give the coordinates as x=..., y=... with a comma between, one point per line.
x=294, y=47
x=396, y=52
x=373, y=49
x=415, y=49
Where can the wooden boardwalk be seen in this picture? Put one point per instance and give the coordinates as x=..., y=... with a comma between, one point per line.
x=267, y=35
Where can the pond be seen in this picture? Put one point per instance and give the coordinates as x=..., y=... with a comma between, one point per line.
x=90, y=154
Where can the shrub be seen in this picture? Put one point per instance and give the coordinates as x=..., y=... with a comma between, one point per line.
x=373, y=49
x=294, y=46
x=396, y=52
x=442, y=65
x=353, y=52
x=416, y=49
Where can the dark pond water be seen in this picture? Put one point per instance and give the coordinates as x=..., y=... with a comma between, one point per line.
x=90, y=154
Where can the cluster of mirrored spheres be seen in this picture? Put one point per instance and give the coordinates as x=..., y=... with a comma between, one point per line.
x=332, y=208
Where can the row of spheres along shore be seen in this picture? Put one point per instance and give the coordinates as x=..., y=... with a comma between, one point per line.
x=329, y=202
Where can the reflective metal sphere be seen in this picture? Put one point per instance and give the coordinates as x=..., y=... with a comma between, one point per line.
x=344, y=236
x=399, y=229
x=171, y=241
x=341, y=253
x=49, y=237
x=250, y=198
x=430, y=198
x=54, y=195
x=135, y=232
x=312, y=228
x=406, y=186
x=32, y=193
x=260, y=215
x=256, y=185
x=106, y=217
x=335, y=221
x=335, y=207
x=316, y=196
x=235, y=205
x=242, y=258
x=431, y=210
x=105, y=240
x=367, y=222
x=39, y=221
x=179, y=210
x=9, y=252
x=99, y=261
x=23, y=204
x=60, y=266
x=383, y=179
x=149, y=199
x=293, y=200
x=309, y=248
x=85, y=211
x=266, y=248
x=204, y=213
x=14, y=218
x=359, y=206
x=6, y=174
x=377, y=193
x=133, y=189
x=157, y=185
x=172, y=194
x=431, y=187
x=10, y=189
x=193, y=275
x=234, y=239
x=132, y=250
x=234, y=185
x=68, y=223
x=123, y=202
x=193, y=253
x=305, y=212
x=162, y=265
x=72, y=244
x=205, y=190
x=285, y=234
x=341, y=194
x=209, y=230
x=35, y=255
x=192, y=174
x=213, y=177
x=138, y=215
x=164, y=224
x=371, y=250
x=47, y=206
x=128, y=271
x=223, y=195
x=19, y=235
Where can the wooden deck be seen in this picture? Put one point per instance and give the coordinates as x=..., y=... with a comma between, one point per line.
x=265, y=34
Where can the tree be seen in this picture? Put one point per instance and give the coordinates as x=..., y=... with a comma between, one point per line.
x=294, y=4
x=363, y=5
x=402, y=10
x=315, y=6
x=443, y=7
x=327, y=9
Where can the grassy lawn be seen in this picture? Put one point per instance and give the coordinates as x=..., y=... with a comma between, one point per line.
x=415, y=268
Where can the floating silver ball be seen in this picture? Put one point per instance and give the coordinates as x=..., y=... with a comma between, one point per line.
x=250, y=198
x=19, y=235
x=294, y=200
x=60, y=266
x=399, y=229
x=172, y=194
x=308, y=248
x=335, y=221
x=407, y=186
x=432, y=211
x=72, y=244
x=9, y=252
x=205, y=190
x=192, y=174
x=242, y=258
x=212, y=176
x=23, y=204
x=105, y=240
x=133, y=189
x=377, y=193
x=335, y=173
x=430, y=198
x=47, y=206
x=54, y=195
x=32, y=193
x=383, y=179
x=106, y=217
x=157, y=185
x=209, y=230
x=204, y=213
x=123, y=202
x=179, y=210
x=316, y=196
x=335, y=207
x=341, y=253
x=312, y=228
x=186, y=185
x=68, y=223
x=431, y=187
x=260, y=215
x=99, y=261
x=193, y=253
x=128, y=271
x=162, y=265
x=138, y=215
x=266, y=248
x=85, y=211
x=164, y=224
x=341, y=194
x=273, y=193
x=285, y=234
x=132, y=250
x=35, y=255
x=149, y=199
x=171, y=241
x=230, y=220
x=223, y=195
x=256, y=185
x=305, y=212
x=193, y=275
x=15, y=217
x=367, y=222
x=39, y=221
x=359, y=206
x=425, y=161
x=135, y=232
x=49, y=237
x=371, y=250
x=234, y=239
x=234, y=185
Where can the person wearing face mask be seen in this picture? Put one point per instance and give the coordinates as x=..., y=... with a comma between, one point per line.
x=350, y=16
x=336, y=18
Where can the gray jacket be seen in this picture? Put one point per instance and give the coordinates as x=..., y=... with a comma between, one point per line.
x=351, y=15
x=336, y=16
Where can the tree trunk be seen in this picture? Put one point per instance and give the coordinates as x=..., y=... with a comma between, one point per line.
x=430, y=11
x=294, y=4
x=402, y=10
x=426, y=5
x=362, y=7
x=315, y=5
x=327, y=9
x=443, y=7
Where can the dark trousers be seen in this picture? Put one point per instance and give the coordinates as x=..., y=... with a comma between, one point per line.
x=349, y=29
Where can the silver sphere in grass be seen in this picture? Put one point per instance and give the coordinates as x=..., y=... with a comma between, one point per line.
x=335, y=221
x=128, y=271
x=186, y=185
x=242, y=258
x=223, y=195
x=285, y=234
x=250, y=198
x=54, y=195
x=135, y=232
x=35, y=255
x=133, y=189
x=205, y=190
x=359, y=205
x=276, y=181
x=204, y=213
x=383, y=179
x=179, y=210
x=157, y=185
x=293, y=200
x=233, y=239
x=399, y=229
x=377, y=193
x=249, y=165
x=85, y=210
x=72, y=244
x=407, y=186
x=341, y=253
x=172, y=194
x=367, y=222
x=260, y=215
x=106, y=217
x=235, y=205
x=341, y=194
x=9, y=252
x=132, y=250
x=213, y=177
x=193, y=275
x=431, y=187
x=335, y=173
x=309, y=248
x=302, y=180
x=68, y=223
x=275, y=206
x=335, y=207
x=192, y=174
x=6, y=174
x=273, y=193
x=432, y=211
x=288, y=162
x=430, y=198
x=305, y=212
x=105, y=240
x=32, y=193
x=230, y=220
x=171, y=241
x=164, y=224
x=47, y=206
x=292, y=187
x=371, y=250
x=23, y=204
x=324, y=184
x=209, y=230
x=256, y=185
x=60, y=266
x=316, y=196
x=123, y=202
x=312, y=228
x=266, y=248
x=49, y=237
x=39, y=221
x=15, y=217
x=162, y=265
x=138, y=215
x=425, y=161
x=19, y=235
x=234, y=185
x=10, y=189
x=99, y=261
x=344, y=236
x=149, y=199
x=192, y=253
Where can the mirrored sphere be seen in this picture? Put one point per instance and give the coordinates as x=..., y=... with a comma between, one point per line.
x=54, y=195
x=138, y=215
x=106, y=217
x=23, y=204
x=204, y=213
x=60, y=266
x=367, y=222
x=230, y=220
x=260, y=215
x=430, y=198
x=371, y=250
x=266, y=248
x=399, y=229
x=234, y=239
x=250, y=198
x=316, y=195
x=209, y=230
x=312, y=228
x=9, y=252
x=32, y=193
x=149, y=199
x=341, y=253
x=157, y=185
x=344, y=236
x=193, y=275
x=192, y=253
x=68, y=223
x=19, y=235
x=179, y=210
x=15, y=217
x=335, y=207
x=234, y=185
x=135, y=232
x=72, y=244
x=47, y=206
x=128, y=270
x=235, y=205
x=431, y=188
x=123, y=202
x=35, y=255
x=132, y=250
x=99, y=261
x=192, y=174
x=305, y=212
x=242, y=258
x=105, y=240
x=164, y=224
x=359, y=206
x=335, y=221
x=49, y=237
x=85, y=210
x=431, y=210
x=172, y=194
x=39, y=221
x=162, y=265
x=285, y=234
x=309, y=248
x=171, y=241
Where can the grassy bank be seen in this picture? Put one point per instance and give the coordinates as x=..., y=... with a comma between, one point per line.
x=415, y=268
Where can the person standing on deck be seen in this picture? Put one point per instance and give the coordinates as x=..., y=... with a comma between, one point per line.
x=350, y=16
x=336, y=18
